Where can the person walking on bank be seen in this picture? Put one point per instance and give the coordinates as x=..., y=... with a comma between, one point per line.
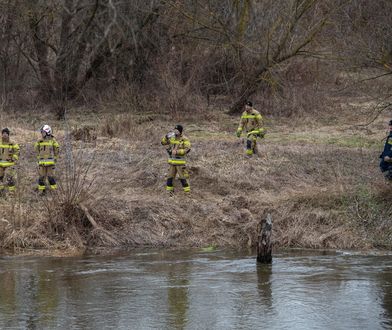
x=47, y=150
x=386, y=156
x=8, y=159
x=252, y=122
x=178, y=147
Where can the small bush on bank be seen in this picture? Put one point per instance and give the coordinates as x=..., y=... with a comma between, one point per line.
x=370, y=210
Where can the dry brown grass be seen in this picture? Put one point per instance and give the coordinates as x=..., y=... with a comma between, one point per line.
x=321, y=185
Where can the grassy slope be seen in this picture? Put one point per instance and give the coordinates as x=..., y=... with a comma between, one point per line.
x=319, y=180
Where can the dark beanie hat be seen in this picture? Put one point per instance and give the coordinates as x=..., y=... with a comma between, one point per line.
x=179, y=128
x=249, y=103
x=5, y=130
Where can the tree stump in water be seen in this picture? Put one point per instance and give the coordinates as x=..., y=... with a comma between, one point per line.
x=264, y=243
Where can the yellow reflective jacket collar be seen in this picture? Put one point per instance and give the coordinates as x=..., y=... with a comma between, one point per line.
x=253, y=114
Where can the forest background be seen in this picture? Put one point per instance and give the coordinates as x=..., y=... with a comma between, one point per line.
x=111, y=77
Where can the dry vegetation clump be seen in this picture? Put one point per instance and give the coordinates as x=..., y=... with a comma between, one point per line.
x=369, y=209
x=86, y=133
x=316, y=221
x=301, y=90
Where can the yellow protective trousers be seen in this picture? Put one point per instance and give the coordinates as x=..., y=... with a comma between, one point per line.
x=251, y=144
x=183, y=175
x=9, y=174
x=46, y=172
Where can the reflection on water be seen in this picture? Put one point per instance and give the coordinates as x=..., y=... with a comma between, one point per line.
x=195, y=290
x=264, y=285
x=177, y=293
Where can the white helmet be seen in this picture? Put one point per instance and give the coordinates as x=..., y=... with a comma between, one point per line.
x=47, y=129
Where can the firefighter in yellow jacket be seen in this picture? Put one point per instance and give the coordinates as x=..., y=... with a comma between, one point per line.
x=178, y=146
x=8, y=159
x=252, y=122
x=47, y=150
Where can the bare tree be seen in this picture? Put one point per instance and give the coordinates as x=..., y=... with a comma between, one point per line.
x=363, y=45
x=261, y=35
x=68, y=48
x=73, y=41
x=7, y=10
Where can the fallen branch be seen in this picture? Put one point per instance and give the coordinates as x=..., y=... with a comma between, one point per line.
x=89, y=217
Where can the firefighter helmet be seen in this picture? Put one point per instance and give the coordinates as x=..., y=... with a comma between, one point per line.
x=47, y=129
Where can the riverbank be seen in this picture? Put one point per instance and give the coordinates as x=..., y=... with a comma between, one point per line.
x=317, y=177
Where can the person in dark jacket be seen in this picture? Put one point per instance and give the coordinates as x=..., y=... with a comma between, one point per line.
x=386, y=156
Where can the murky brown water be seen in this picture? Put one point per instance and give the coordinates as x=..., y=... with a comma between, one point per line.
x=195, y=290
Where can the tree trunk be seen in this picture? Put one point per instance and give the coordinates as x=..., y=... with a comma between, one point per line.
x=250, y=87
x=264, y=242
x=42, y=53
x=64, y=56
x=98, y=59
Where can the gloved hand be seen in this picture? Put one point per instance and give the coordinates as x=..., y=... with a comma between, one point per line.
x=238, y=133
x=170, y=135
x=387, y=159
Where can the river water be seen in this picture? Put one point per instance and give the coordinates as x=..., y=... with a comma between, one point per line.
x=150, y=289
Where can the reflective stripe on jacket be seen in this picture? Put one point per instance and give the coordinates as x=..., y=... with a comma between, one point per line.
x=181, y=145
x=176, y=161
x=9, y=154
x=47, y=150
x=250, y=121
